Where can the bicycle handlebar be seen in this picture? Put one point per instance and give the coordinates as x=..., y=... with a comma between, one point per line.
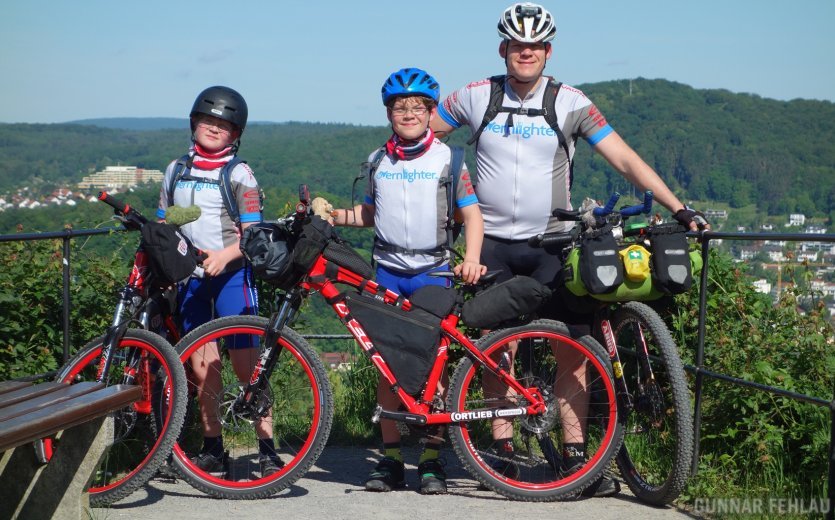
x=132, y=218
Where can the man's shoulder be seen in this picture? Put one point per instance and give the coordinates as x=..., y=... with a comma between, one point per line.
x=479, y=83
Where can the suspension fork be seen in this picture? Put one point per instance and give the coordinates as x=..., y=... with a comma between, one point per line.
x=611, y=344
x=113, y=336
x=259, y=380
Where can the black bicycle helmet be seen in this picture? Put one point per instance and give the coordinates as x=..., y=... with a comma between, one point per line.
x=222, y=103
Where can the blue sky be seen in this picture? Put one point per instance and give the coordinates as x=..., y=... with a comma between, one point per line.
x=326, y=60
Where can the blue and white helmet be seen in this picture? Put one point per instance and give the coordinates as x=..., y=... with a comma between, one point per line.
x=527, y=23
x=411, y=82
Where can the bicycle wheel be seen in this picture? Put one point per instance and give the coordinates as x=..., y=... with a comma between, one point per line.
x=298, y=406
x=145, y=431
x=535, y=470
x=658, y=444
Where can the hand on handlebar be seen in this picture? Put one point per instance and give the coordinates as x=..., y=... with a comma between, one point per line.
x=691, y=219
x=469, y=271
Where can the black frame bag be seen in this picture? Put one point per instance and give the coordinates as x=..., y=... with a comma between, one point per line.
x=407, y=340
x=171, y=255
x=505, y=301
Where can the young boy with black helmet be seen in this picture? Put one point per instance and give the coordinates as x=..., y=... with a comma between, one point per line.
x=407, y=205
x=211, y=177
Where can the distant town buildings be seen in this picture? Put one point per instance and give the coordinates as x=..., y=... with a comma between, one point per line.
x=119, y=177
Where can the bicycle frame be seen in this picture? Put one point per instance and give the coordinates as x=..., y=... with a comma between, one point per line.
x=418, y=410
x=139, y=303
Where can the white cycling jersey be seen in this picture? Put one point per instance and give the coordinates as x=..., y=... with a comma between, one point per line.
x=523, y=172
x=215, y=229
x=410, y=207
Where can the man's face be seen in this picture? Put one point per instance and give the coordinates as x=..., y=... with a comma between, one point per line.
x=525, y=61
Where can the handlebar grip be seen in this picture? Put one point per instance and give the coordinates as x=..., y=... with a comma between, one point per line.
x=648, y=202
x=566, y=215
x=552, y=239
x=608, y=208
x=113, y=202
x=134, y=219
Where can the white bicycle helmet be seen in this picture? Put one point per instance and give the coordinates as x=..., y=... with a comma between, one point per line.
x=527, y=23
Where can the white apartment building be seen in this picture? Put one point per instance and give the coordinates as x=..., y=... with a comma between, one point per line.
x=120, y=177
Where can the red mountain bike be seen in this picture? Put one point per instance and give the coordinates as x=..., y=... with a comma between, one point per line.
x=145, y=431
x=289, y=385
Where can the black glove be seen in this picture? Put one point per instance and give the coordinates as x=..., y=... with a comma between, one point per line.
x=687, y=215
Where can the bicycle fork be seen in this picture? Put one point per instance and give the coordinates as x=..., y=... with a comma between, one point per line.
x=624, y=398
x=254, y=401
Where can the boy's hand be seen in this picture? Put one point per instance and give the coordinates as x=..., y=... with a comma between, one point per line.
x=469, y=270
x=323, y=208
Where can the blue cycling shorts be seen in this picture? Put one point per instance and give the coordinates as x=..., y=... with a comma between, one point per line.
x=228, y=294
x=405, y=284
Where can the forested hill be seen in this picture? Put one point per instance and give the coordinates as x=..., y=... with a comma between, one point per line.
x=707, y=144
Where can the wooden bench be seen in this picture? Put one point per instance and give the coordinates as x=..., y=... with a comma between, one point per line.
x=32, y=488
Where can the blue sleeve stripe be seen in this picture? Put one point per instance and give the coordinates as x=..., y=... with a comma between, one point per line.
x=600, y=135
x=447, y=117
x=469, y=200
x=160, y=213
x=369, y=200
x=246, y=218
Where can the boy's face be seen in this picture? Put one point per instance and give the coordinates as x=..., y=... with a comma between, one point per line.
x=410, y=117
x=213, y=134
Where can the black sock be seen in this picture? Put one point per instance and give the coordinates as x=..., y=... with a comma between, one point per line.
x=574, y=453
x=213, y=446
x=266, y=447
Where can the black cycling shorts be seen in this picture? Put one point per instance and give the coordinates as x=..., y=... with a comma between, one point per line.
x=516, y=257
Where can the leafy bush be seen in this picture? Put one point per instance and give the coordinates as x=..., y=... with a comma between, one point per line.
x=31, y=301
x=755, y=443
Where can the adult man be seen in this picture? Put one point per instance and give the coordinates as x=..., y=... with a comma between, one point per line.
x=525, y=170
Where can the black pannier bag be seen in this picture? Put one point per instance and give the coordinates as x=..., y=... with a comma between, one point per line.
x=670, y=260
x=601, y=268
x=505, y=301
x=407, y=340
x=170, y=254
x=280, y=258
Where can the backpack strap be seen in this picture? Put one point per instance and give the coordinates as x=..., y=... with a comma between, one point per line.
x=370, y=167
x=456, y=163
x=182, y=169
x=549, y=102
x=494, y=106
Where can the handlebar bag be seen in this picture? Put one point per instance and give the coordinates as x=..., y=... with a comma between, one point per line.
x=170, y=254
x=281, y=257
x=601, y=268
x=407, y=340
x=509, y=300
x=672, y=272
x=268, y=247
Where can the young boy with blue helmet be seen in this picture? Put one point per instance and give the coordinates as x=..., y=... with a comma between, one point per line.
x=406, y=203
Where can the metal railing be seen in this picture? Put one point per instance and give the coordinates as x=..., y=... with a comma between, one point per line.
x=699, y=370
